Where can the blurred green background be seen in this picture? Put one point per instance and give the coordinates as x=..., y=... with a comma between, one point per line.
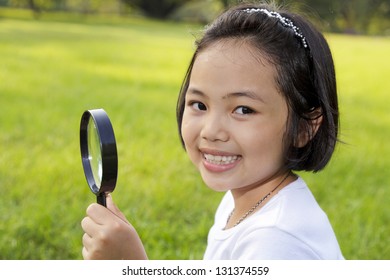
x=56, y=63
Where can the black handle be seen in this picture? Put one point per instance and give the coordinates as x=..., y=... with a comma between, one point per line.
x=101, y=199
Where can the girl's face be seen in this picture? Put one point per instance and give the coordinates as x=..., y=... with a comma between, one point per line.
x=234, y=118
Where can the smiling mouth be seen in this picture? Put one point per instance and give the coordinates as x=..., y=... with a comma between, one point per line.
x=220, y=160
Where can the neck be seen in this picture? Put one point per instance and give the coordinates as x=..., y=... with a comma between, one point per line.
x=246, y=197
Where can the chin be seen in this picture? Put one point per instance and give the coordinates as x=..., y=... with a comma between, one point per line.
x=217, y=186
x=218, y=189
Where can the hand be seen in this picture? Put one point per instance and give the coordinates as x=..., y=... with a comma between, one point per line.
x=108, y=235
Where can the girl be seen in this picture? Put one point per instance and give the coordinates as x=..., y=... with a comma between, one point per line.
x=258, y=102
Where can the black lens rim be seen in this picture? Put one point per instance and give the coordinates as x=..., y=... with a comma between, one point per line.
x=108, y=151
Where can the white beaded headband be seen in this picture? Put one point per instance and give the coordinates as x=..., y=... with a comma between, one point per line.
x=284, y=21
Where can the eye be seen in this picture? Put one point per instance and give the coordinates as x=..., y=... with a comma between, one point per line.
x=199, y=106
x=243, y=110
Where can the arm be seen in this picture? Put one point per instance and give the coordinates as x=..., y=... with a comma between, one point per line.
x=108, y=235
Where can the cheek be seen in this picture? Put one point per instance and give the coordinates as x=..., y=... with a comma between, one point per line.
x=266, y=144
x=188, y=131
x=190, y=134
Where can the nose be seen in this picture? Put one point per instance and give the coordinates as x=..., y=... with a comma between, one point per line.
x=215, y=128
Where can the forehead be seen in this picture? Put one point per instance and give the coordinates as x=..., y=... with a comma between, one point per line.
x=236, y=51
x=233, y=65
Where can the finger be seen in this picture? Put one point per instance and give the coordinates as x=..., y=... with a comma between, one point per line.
x=85, y=254
x=114, y=209
x=111, y=205
x=89, y=226
x=98, y=213
x=84, y=223
x=87, y=241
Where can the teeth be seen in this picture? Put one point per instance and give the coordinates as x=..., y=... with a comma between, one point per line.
x=220, y=159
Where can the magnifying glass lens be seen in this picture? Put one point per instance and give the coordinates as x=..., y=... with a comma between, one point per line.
x=94, y=153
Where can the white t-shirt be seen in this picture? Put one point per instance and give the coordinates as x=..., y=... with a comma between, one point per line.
x=290, y=226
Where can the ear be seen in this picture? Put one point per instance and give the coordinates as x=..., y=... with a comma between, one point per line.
x=308, y=127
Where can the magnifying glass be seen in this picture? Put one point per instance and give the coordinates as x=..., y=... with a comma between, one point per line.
x=98, y=153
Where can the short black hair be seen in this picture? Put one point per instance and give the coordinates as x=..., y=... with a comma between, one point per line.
x=305, y=77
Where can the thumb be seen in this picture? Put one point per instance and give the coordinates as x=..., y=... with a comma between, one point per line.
x=114, y=209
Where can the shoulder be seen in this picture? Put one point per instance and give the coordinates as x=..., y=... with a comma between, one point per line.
x=290, y=226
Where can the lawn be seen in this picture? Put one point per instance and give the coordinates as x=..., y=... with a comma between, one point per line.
x=51, y=71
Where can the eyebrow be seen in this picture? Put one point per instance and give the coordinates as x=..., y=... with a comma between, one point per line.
x=248, y=94
x=196, y=92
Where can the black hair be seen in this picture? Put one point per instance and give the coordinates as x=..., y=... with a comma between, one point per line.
x=305, y=77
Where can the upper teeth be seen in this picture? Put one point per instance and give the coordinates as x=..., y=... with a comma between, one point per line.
x=220, y=159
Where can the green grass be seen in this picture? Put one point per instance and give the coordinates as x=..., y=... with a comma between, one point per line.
x=51, y=71
x=355, y=188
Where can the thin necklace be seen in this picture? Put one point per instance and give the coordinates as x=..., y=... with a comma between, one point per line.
x=250, y=211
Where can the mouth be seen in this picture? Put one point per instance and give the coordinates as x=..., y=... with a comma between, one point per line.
x=221, y=159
